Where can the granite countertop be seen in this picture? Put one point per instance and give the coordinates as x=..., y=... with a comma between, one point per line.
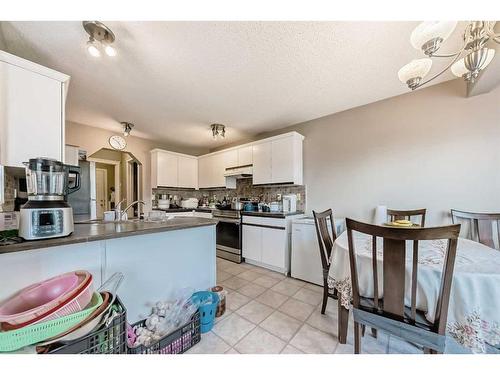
x=88, y=232
x=280, y=215
x=173, y=210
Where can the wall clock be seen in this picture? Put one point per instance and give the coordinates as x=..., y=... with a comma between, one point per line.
x=117, y=142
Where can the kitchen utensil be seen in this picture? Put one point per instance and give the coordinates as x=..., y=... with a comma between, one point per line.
x=189, y=203
x=16, y=339
x=289, y=203
x=109, y=215
x=85, y=326
x=114, y=283
x=274, y=207
x=47, y=213
x=39, y=301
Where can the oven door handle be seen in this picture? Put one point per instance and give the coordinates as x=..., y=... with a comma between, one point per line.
x=231, y=221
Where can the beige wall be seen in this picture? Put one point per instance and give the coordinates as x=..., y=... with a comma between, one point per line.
x=93, y=139
x=431, y=148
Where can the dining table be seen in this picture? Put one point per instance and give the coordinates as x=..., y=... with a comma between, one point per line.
x=474, y=308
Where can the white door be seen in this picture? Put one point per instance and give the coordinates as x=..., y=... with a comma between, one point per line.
x=167, y=169
x=252, y=243
x=262, y=163
x=282, y=160
x=31, y=108
x=101, y=182
x=188, y=172
x=273, y=247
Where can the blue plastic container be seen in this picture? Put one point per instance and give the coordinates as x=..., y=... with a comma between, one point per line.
x=207, y=310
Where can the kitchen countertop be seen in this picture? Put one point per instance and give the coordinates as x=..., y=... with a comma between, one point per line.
x=87, y=232
x=173, y=210
x=280, y=215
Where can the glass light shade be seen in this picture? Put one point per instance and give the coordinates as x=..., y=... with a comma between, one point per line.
x=110, y=50
x=92, y=49
x=459, y=69
x=415, y=69
x=429, y=30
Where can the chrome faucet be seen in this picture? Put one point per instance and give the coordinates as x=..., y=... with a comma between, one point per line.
x=120, y=213
x=118, y=209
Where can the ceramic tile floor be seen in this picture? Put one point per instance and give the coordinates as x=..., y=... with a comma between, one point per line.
x=270, y=313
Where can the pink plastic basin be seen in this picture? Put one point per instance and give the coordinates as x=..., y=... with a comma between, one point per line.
x=34, y=298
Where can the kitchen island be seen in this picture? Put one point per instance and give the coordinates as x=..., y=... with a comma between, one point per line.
x=157, y=259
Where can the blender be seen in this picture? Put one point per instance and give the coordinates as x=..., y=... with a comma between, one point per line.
x=47, y=214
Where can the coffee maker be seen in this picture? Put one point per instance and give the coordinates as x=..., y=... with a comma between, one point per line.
x=47, y=214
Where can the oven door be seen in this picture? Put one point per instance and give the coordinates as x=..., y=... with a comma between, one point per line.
x=229, y=235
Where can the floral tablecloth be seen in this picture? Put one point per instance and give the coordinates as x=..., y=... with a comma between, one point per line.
x=474, y=310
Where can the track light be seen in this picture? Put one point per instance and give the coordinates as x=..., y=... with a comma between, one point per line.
x=100, y=38
x=127, y=128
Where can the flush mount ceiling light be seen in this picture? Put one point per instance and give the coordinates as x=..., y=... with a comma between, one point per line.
x=100, y=38
x=467, y=62
x=127, y=128
x=218, y=131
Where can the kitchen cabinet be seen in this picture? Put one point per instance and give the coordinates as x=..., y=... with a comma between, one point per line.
x=245, y=155
x=32, y=104
x=262, y=173
x=266, y=241
x=230, y=159
x=204, y=171
x=171, y=169
x=211, y=170
x=278, y=160
x=187, y=171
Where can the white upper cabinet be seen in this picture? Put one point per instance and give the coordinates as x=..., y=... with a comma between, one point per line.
x=230, y=159
x=245, y=155
x=278, y=160
x=188, y=172
x=204, y=171
x=32, y=99
x=170, y=169
x=71, y=155
x=262, y=160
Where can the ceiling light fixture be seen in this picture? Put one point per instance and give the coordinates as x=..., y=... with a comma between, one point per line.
x=218, y=131
x=100, y=37
x=127, y=128
x=467, y=62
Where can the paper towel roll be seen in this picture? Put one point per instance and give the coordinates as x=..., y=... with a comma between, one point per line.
x=380, y=215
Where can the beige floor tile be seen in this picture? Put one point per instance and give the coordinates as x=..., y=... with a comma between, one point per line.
x=251, y=290
x=221, y=276
x=235, y=300
x=233, y=329
x=289, y=349
x=236, y=269
x=281, y=325
x=255, y=311
x=286, y=288
x=232, y=351
x=209, y=344
x=234, y=283
x=297, y=282
x=272, y=298
x=344, y=349
x=297, y=309
x=223, y=264
x=327, y=323
x=308, y=296
x=249, y=275
x=260, y=341
x=312, y=340
x=266, y=281
x=226, y=314
x=314, y=287
x=275, y=275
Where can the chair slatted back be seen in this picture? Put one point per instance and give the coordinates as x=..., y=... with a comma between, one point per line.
x=407, y=215
x=326, y=237
x=480, y=226
x=392, y=305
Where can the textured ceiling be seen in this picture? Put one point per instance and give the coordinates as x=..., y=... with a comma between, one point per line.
x=173, y=79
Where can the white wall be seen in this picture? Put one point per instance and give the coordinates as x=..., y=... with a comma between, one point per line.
x=431, y=148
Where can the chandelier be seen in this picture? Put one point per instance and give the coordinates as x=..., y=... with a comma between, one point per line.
x=218, y=131
x=127, y=128
x=467, y=62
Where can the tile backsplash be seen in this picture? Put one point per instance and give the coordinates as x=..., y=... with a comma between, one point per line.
x=9, y=193
x=244, y=189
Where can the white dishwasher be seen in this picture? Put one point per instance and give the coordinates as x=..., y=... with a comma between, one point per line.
x=305, y=259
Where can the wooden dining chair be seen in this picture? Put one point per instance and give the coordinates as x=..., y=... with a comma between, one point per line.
x=389, y=313
x=407, y=215
x=326, y=238
x=480, y=226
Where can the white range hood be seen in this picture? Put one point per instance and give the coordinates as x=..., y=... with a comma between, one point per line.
x=239, y=172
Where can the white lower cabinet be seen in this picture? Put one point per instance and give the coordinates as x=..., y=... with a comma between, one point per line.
x=266, y=242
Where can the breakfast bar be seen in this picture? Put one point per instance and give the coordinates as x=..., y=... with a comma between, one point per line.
x=156, y=258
